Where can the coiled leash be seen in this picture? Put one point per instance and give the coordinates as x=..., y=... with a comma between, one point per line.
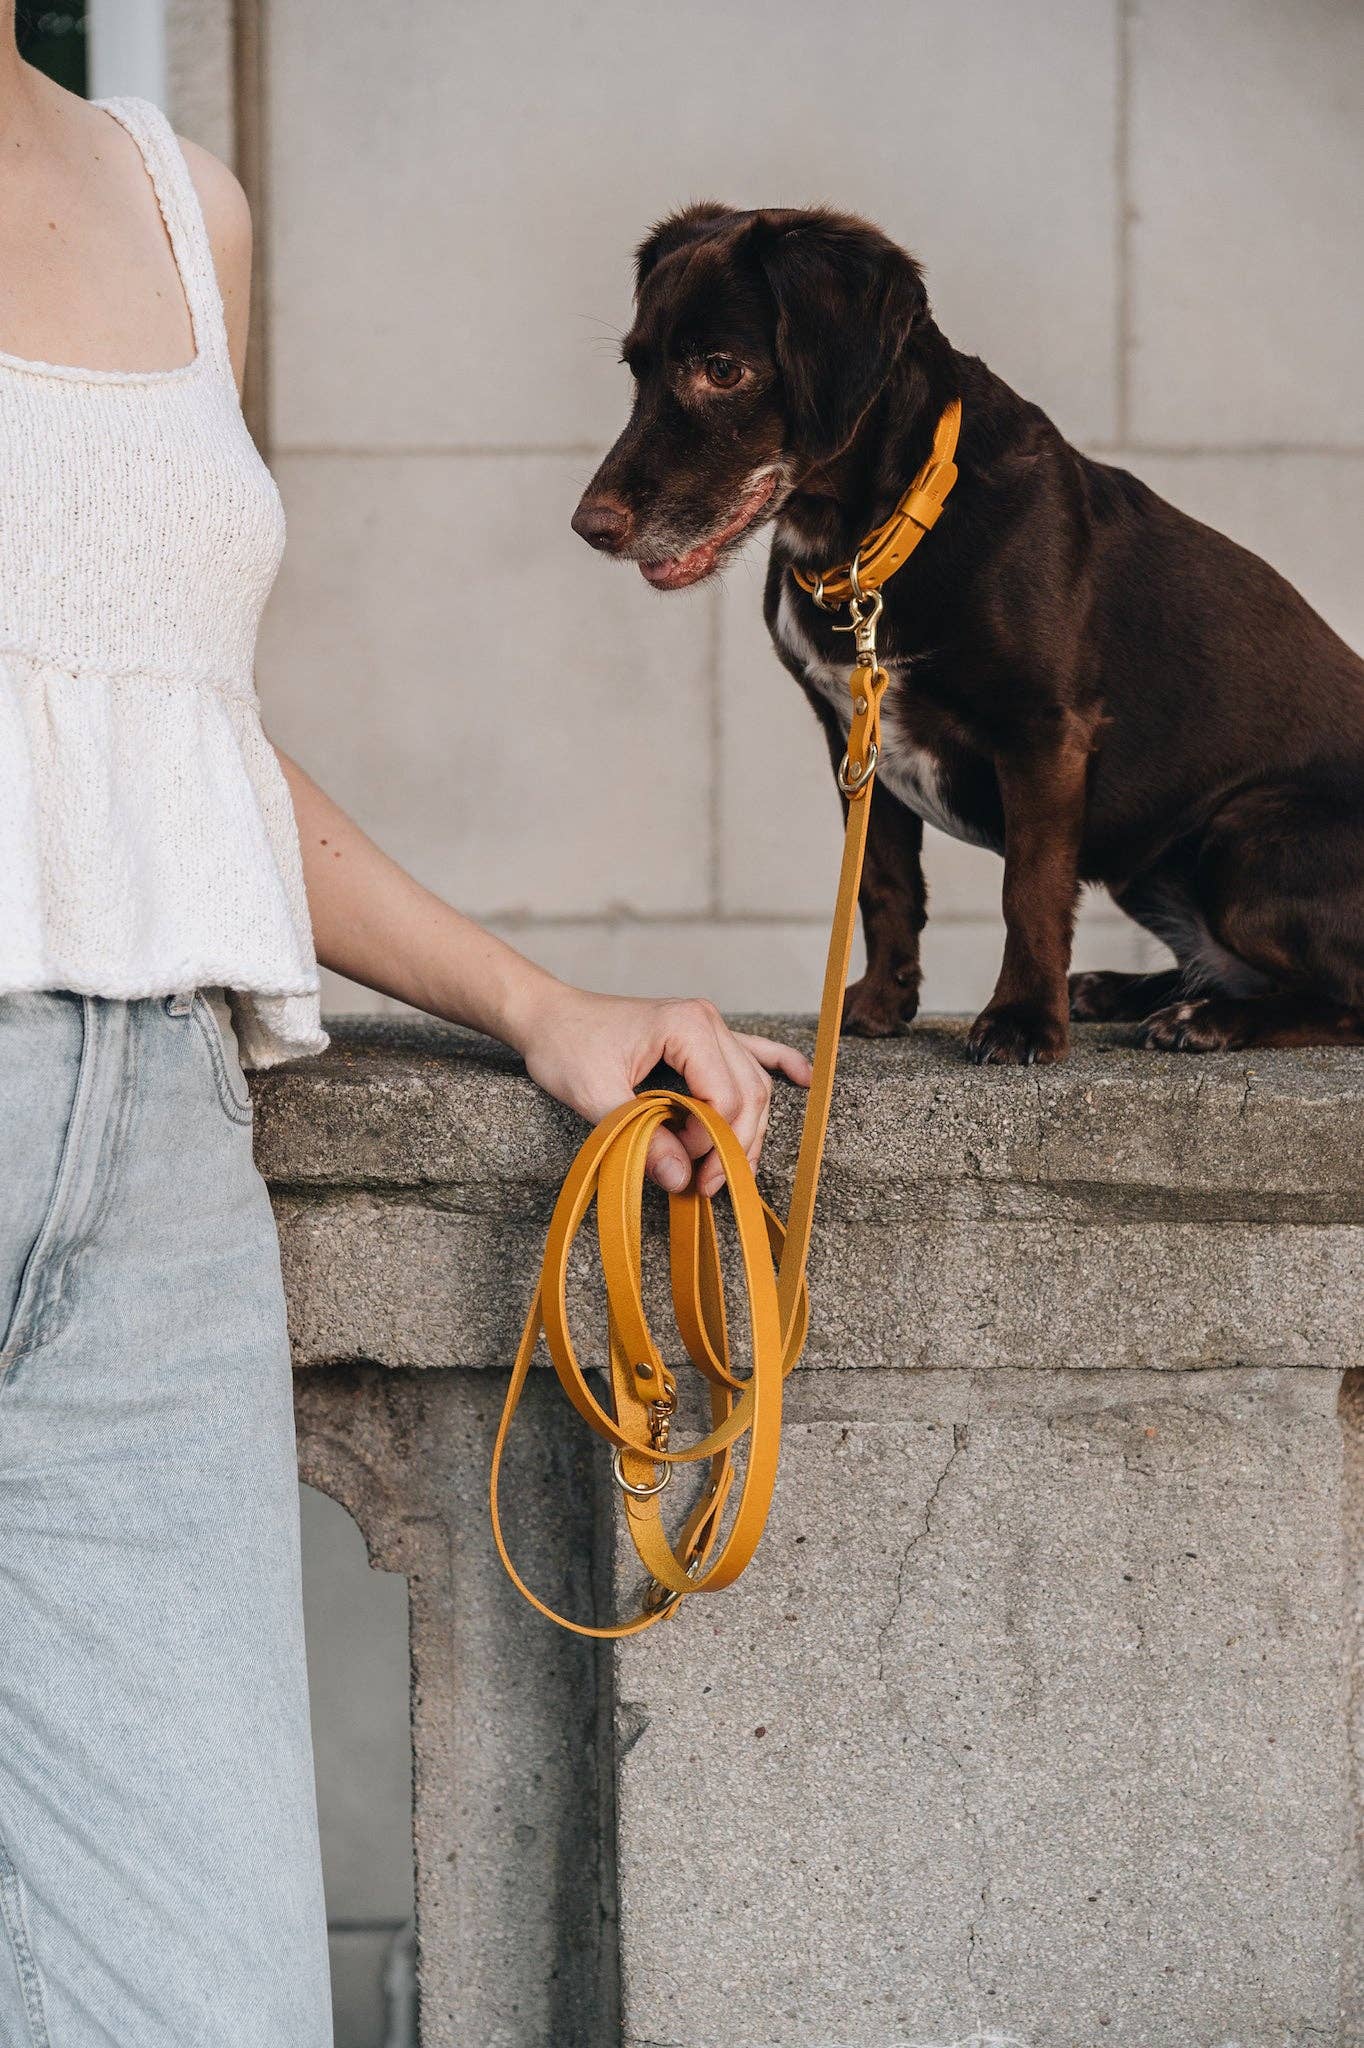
x=609, y=1170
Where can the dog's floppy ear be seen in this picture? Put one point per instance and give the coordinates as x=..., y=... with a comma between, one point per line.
x=689, y=224
x=847, y=298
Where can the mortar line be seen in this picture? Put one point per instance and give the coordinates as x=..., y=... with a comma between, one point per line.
x=588, y=451
x=376, y=451
x=1351, y=450
x=1122, y=178
x=739, y=920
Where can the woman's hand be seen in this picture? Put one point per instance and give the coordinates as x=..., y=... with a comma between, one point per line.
x=593, y=1051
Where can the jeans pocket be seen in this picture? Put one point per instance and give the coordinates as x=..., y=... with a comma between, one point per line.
x=228, y=1077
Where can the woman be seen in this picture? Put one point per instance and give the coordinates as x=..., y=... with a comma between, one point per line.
x=159, y=1879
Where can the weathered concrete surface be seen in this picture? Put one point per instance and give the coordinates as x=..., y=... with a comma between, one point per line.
x=1027, y=1720
x=1031, y=1716
x=1123, y=1210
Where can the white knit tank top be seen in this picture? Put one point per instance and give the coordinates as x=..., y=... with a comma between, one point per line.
x=147, y=839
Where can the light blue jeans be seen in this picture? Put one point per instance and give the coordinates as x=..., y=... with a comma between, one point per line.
x=160, y=1882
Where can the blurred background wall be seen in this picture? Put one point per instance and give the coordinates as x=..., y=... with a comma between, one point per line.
x=1143, y=213
x=1144, y=216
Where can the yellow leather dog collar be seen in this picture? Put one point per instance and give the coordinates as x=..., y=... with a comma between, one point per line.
x=889, y=546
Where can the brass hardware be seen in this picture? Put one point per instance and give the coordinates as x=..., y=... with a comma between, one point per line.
x=660, y=1599
x=639, y=1492
x=661, y=1412
x=864, y=611
x=660, y=1421
x=644, y=1369
x=850, y=781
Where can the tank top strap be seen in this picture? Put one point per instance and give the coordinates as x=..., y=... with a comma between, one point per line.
x=180, y=209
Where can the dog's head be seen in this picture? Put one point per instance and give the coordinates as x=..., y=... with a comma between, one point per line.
x=759, y=342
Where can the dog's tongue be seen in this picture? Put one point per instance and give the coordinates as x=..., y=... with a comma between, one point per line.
x=680, y=570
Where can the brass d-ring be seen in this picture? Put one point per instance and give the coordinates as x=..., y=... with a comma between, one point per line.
x=638, y=1492
x=849, y=783
x=660, y=1599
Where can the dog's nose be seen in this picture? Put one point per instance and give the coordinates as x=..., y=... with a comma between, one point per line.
x=602, y=524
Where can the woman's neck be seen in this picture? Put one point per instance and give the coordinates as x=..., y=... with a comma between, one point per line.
x=22, y=89
x=12, y=65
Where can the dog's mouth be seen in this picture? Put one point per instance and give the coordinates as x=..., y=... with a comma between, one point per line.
x=675, y=572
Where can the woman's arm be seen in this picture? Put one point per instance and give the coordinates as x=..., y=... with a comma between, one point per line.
x=373, y=922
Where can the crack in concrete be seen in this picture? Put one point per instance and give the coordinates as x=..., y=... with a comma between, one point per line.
x=960, y=1437
x=912, y=1269
x=632, y=1721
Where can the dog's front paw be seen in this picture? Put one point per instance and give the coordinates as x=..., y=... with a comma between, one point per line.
x=1205, y=1026
x=880, y=1008
x=1017, y=1035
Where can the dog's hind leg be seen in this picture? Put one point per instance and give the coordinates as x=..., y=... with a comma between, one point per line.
x=1109, y=997
x=1234, y=1023
x=1279, y=887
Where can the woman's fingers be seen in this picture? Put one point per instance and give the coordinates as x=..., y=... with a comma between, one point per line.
x=718, y=1071
x=781, y=1059
x=667, y=1161
x=731, y=1071
x=591, y=1051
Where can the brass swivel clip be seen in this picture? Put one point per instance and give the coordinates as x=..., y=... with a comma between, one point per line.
x=661, y=1411
x=661, y=1414
x=864, y=609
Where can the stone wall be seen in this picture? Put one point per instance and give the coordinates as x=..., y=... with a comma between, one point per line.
x=1034, y=1714
x=1141, y=212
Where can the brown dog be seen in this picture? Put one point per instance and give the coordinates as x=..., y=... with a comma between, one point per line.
x=1083, y=678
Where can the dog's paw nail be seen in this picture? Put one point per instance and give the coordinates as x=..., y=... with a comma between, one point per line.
x=1016, y=1036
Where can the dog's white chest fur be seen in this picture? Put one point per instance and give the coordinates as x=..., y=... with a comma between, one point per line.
x=910, y=772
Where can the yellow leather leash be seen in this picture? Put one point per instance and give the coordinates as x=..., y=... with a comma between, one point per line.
x=609, y=1170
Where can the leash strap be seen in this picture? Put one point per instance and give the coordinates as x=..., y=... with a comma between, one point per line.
x=609, y=1172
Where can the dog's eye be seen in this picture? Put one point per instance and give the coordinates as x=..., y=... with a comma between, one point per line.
x=723, y=372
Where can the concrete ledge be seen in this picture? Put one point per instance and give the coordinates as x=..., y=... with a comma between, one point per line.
x=1126, y=1209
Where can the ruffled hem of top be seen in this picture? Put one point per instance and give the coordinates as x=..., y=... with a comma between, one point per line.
x=148, y=846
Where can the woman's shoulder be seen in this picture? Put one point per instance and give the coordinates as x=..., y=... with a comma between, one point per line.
x=227, y=217
x=226, y=212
